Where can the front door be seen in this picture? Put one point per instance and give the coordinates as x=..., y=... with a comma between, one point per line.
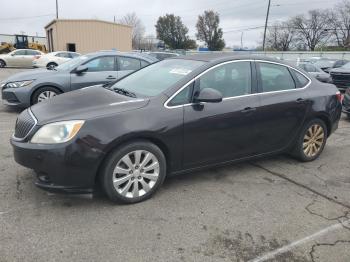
x=217, y=132
x=16, y=58
x=101, y=70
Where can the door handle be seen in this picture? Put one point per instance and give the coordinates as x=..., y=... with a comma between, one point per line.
x=301, y=101
x=111, y=77
x=248, y=109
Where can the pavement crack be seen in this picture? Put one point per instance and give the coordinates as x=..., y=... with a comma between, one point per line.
x=18, y=188
x=313, y=248
x=300, y=185
x=307, y=208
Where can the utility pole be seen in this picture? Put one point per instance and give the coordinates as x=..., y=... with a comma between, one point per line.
x=266, y=21
x=56, y=9
x=242, y=40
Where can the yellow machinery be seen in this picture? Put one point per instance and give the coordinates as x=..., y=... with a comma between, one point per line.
x=21, y=42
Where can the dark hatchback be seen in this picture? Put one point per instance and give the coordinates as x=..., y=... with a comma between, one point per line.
x=175, y=116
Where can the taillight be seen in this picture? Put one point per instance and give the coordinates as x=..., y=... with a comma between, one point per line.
x=37, y=57
x=339, y=96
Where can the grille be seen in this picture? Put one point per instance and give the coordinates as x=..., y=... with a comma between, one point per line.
x=24, y=124
x=342, y=80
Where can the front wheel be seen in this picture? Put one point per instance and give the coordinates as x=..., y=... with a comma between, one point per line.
x=51, y=65
x=311, y=141
x=133, y=172
x=43, y=94
x=2, y=63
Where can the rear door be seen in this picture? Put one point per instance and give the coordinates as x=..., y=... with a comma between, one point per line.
x=29, y=57
x=284, y=103
x=127, y=65
x=101, y=70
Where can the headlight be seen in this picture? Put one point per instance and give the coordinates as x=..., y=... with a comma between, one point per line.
x=19, y=83
x=2, y=84
x=58, y=132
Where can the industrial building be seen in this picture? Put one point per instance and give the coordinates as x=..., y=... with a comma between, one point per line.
x=87, y=35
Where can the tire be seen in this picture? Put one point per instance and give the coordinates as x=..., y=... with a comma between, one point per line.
x=51, y=65
x=308, y=149
x=2, y=63
x=131, y=179
x=40, y=94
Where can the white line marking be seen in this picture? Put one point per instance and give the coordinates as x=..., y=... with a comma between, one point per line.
x=299, y=242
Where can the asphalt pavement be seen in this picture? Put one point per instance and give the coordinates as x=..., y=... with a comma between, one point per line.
x=276, y=209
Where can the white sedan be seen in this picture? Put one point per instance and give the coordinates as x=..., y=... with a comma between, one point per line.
x=54, y=59
x=20, y=58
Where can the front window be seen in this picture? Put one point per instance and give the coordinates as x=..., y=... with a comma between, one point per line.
x=73, y=63
x=19, y=52
x=105, y=63
x=156, y=78
x=232, y=79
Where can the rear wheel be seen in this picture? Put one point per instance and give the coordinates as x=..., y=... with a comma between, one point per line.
x=2, y=63
x=44, y=93
x=51, y=65
x=133, y=172
x=311, y=141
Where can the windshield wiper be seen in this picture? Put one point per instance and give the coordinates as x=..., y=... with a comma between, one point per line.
x=124, y=92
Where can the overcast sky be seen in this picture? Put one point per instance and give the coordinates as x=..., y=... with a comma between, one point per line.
x=30, y=17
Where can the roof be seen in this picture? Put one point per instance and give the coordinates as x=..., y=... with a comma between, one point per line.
x=128, y=54
x=85, y=20
x=217, y=57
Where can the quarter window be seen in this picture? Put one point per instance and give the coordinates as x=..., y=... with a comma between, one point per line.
x=275, y=77
x=105, y=63
x=232, y=79
x=301, y=79
x=128, y=63
x=183, y=97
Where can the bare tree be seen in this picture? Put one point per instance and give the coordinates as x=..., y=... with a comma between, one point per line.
x=281, y=36
x=138, y=29
x=340, y=23
x=312, y=30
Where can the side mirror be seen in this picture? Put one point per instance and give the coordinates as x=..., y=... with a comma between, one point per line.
x=81, y=69
x=208, y=95
x=12, y=54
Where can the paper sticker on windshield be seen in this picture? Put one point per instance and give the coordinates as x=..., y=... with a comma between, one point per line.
x=180, y=71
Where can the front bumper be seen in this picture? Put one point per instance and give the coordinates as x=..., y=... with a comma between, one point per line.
x=68, y=167
x=346, y=104
x=17, y=96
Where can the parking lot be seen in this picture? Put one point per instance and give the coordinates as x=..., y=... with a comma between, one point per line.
x=275, y=209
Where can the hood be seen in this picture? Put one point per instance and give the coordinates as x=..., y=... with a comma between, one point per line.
x=33, y=74
x=84, y=104
x=340, y=70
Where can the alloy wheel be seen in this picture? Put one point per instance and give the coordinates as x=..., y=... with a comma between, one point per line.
x=313, y=140
x=136, y=173
x=46, y=95
x=2, y=64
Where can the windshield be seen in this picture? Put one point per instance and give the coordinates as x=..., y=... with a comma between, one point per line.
x=156, y=78
x=71, y=64
x=347, y=66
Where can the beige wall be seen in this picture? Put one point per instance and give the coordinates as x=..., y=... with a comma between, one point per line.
x=90, y=35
